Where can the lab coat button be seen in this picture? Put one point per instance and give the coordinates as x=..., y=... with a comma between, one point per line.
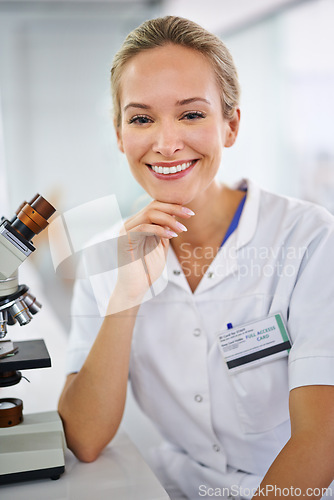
x=216, y=447
x=210, y=275
x=197, y=332
x=176, y=272
x=198, y=398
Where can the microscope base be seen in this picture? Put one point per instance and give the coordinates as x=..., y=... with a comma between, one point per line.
x=33, y=449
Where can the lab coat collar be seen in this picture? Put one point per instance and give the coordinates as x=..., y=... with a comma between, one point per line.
x=226, y=261
x=249, y=217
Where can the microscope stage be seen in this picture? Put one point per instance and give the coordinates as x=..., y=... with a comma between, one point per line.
x=31, y=354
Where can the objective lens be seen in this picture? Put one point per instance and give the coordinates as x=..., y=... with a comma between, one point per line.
x=3, y=323
x=20, y=312
x=32, y=303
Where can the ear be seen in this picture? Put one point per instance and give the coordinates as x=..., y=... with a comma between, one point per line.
x=119, y=137
x=233, y=129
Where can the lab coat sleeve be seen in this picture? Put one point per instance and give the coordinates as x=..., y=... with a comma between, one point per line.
x=311, y=314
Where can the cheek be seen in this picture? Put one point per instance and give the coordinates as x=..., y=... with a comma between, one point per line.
x=134, y=145
x=205, y=140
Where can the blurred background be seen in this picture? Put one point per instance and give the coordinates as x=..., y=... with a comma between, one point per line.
x=56, y=131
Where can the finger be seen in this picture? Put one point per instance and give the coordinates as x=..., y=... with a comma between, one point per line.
x=153, y=230
x=163, y=214
x=166, y=220
x=172, y=209
x=168, y=209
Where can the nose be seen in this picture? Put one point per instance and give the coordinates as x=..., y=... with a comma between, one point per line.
x=167, y=140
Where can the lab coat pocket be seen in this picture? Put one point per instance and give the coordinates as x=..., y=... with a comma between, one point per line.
x=262, y=395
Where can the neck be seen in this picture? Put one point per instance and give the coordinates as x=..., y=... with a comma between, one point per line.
x=213, y=214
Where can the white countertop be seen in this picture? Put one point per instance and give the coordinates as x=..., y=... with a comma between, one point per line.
x=120, y=473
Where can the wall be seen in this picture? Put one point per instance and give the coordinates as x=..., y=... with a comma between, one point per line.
x=286, y=72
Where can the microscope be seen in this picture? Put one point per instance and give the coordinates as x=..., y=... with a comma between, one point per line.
x=31, y=446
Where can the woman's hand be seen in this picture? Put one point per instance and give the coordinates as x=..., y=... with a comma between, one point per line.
x=142, y=250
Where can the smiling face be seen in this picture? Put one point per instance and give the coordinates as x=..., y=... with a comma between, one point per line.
x=172, y=129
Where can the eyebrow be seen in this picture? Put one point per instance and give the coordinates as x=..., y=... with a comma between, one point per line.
x=190, y=100
x=136, y=105
x=183, y=102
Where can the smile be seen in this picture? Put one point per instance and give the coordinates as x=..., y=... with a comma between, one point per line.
x=172, y=170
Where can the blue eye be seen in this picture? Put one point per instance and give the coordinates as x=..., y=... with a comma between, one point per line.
x=193, y=115
x=140, y=119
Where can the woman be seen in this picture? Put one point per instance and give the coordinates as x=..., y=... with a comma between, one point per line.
x=234, y=257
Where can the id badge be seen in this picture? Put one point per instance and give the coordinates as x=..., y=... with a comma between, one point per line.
x=254, y=343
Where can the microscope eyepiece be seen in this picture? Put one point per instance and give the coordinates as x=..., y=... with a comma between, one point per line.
x=31, y=217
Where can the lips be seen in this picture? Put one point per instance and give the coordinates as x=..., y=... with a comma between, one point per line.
x=174, y=170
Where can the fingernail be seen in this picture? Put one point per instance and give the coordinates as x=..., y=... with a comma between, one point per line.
x=171, y=233
x=188, y=211
x=181, y=226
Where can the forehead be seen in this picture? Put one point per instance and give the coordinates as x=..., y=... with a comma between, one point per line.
x=168, y=71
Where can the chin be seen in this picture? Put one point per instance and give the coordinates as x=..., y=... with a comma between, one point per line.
x=177, y=198
x=180, y=195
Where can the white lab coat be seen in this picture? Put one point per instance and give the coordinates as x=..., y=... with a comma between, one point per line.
x=223, y=429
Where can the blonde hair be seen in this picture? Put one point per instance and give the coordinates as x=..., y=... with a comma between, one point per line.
x=179, y=31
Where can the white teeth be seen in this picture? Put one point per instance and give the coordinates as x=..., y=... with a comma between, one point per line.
x=172, y=170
